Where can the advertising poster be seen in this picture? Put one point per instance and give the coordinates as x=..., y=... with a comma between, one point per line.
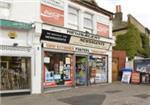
x=102, y=29
x=52, y=15
x=135, y=77
x=126, y=77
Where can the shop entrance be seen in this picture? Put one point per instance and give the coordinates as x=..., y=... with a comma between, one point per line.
x=81, y=70
x=115, y=70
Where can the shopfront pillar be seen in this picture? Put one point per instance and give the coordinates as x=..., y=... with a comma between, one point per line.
x=37, y=67
x=109, y=67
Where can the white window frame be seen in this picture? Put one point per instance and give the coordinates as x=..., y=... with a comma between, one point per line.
x=90, y=18
x=72, y=25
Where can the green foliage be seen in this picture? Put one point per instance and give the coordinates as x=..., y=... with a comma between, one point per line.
x=146, y=46
x=130, y=42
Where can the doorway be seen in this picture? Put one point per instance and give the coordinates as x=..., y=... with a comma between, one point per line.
x=115, y=70
x=81, y=70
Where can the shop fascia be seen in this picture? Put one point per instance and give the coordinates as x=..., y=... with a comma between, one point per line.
x=74, y=37
x=72, y=48
x=71, y=32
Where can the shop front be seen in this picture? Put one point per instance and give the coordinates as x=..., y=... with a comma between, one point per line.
x=71, y=60
x=15, y=57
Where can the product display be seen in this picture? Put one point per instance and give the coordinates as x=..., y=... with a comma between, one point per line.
x=58, y=70
x=15, y=73
x=98, y=69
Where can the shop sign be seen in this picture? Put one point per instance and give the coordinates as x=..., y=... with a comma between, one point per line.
x=52, y=15
x=89, y=42
x=14, y=24
x=135, y=77
x=126, y=77
x=58, y=46
x=55, y=36
x=102, y=29
x=97, y=51
x=83, y=50
x=82, y=34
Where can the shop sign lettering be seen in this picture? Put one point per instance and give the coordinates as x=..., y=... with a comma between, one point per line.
x=89, y=43
x=82, y=34
x=84, y=50
x=55, y=36
x=58, y=46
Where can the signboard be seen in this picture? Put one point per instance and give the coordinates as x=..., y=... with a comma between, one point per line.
x=82, y=34
x=135, y=77
x=59, y=46
x=102, y=29
x=52, y=15
x=126, y=77
x=14, y=24
x=55, y=36
x=89, y=42
x=82, y=50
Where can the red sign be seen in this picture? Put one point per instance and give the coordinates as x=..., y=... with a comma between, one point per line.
x=68, y=83
x=135, y=77
x=50, y=84
x=102, y=29
x=52, y=15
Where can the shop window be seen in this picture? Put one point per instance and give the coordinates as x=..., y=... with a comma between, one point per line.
x=88, y=22
x=98, y=69
x=57, y=69
x=73, y=18
x=15, y=73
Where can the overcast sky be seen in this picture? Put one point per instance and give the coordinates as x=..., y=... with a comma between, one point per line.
x=140, y=9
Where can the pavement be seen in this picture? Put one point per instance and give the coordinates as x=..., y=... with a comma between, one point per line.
x=101, y=94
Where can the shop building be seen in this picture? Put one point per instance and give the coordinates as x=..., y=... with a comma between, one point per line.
x=71, y=43
x=76, y=44
x=15, y=56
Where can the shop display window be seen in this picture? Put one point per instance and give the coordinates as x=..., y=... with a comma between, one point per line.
x=98, y=69
x=15, y=73
x=57, y=69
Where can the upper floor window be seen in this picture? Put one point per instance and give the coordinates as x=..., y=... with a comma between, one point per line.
x=88, y=22
x=73, y=18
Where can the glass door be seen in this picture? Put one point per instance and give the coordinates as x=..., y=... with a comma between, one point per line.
x=81, y=70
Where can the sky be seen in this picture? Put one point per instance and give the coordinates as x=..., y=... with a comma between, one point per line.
x=140, y=9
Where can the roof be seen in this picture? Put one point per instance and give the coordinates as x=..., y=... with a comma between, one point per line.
x=93, y=5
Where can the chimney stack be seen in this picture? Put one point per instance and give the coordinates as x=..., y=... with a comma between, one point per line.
x=118, y=8
x=118, y=14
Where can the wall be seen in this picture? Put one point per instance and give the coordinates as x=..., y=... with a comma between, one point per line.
x=29, y=11
x=121, y=56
